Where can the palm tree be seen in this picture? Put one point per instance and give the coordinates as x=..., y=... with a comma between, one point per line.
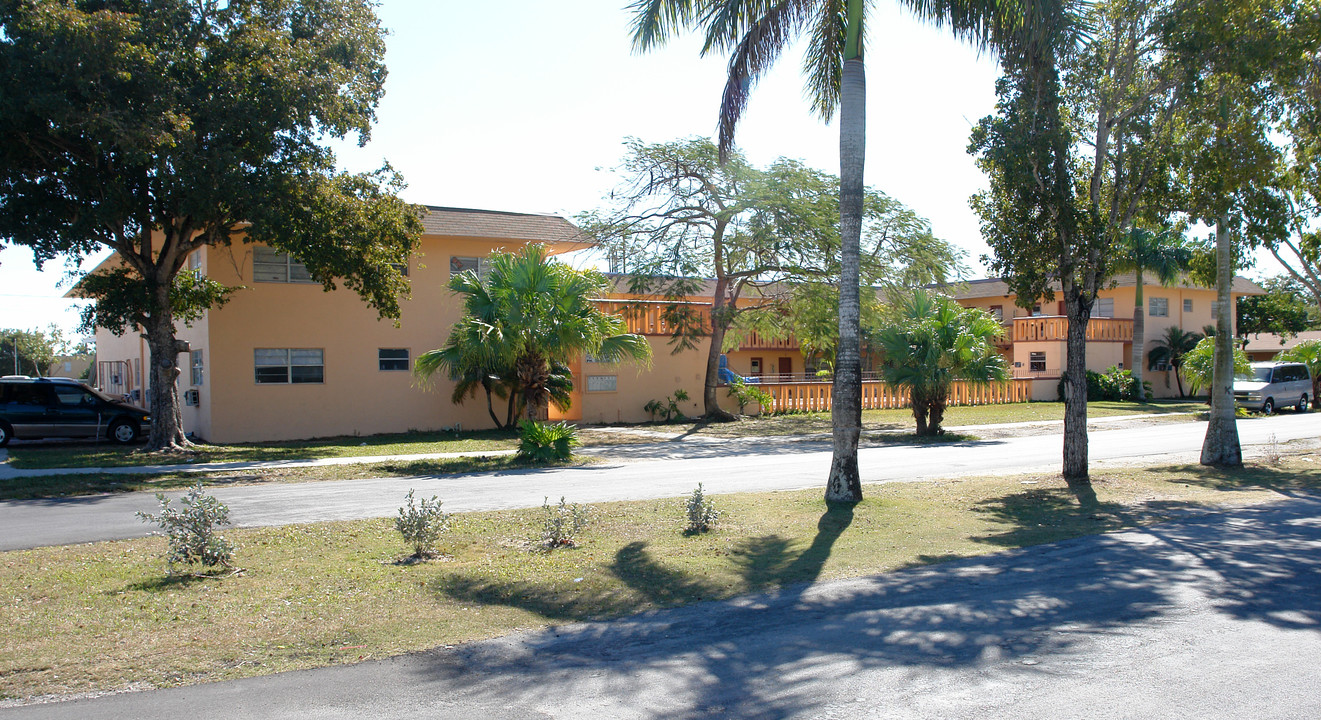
x=523, y=324
x=932, y=342
x=1171, y=349
x=1163, y=254
x=755, y=33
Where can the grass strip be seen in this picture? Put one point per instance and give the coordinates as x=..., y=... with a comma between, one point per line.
x=104, y=616
x=82, y=455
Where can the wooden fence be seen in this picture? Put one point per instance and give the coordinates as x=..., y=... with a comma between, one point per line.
x=816, y=396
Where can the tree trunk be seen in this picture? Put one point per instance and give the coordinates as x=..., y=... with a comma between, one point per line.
x=1221, y=447
x=845, y=483
x=710, y=399
x=1075, y=396
x=166, y=416
x=1139, y=338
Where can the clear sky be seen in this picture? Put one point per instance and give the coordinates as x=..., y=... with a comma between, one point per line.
x=523, y=105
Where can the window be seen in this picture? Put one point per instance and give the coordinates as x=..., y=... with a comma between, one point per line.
x=73, y=395
x=998, y=312
x=1104, y=307
x=195, y=261
x=1187, y=306
x=1158, y=307
x=401, y=267
x=289, y=366
x=461, y=264
x=1037, y=362
x=392, y=358
x=195, y=362
x=271, y=265
x=602, y=383
x=1036, y=310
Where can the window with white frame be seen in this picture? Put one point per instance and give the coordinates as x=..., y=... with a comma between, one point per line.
x=392, y=358
x=285, y=366
x=998, y=312
x=1103, y=308
x=401, y=267
x=195, y=261
x=1158, y=307
x=479, y=265
x=273, y=266
x=602, y=383
x=1037, y=362
x=1187, y=305
x=195, y=364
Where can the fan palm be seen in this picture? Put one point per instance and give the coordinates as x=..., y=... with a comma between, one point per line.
x=932, y=342
x=523, y=324
x=1163, y=254
x=1307, y=352
x=755, y=33
x=1171, y=349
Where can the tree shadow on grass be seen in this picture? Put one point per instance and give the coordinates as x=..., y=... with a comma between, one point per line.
x=1286, y=481
x=765, y=655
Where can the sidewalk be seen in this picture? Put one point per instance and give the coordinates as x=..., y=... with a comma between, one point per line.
x=7, y=472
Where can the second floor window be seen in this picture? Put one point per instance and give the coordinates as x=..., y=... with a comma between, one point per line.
x=195, y=361
x=392, y=358
x=1037, y=362
x=271, y=265
x=475, y=264
x=1158, y=307
x=284, y=366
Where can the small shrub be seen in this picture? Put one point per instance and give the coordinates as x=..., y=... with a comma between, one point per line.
x=669, y=408
x=1272, y=455
x=562, y=523
x=545, y=442
x=422, y=525
x=702, y=513
x=190, y=529
x=744, y=393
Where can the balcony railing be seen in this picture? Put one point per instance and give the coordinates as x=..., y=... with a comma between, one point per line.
x=1054, y=327
x=816, y=396
x=647, y=317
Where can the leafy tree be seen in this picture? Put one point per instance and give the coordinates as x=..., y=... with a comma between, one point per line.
x=1199, y=364
x=1281, y=311
x=521, y=326
x=1171, y=350
x=1062, y=184
x=765, y=238
x=157, y=128
x=1307, y=352
x=755, y=33
x=933, y=341
x=1165, y=255
x=28, y=352
x=1237, y=59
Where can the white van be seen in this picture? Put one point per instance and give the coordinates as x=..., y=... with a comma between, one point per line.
x=1272, y=385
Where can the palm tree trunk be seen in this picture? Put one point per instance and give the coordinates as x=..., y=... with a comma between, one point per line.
x=845, y=483
x=1139, y=337
x=1221, y=446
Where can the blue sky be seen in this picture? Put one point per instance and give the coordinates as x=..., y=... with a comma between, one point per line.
x=523, y=105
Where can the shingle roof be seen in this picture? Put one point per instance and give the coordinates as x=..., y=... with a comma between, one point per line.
x=1267, y=342
x=467, y=222
x=995, y=287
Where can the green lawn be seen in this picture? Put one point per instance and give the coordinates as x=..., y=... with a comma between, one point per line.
x=107, y=455
x=104, y=616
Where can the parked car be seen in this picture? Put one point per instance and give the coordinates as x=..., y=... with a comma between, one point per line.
x=1272, y=385
x=60, y=407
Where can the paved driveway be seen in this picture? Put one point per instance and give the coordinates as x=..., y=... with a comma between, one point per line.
x=1215, y=616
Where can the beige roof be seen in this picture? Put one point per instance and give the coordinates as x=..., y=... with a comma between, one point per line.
x=995, y=287
x=466, y=222
x=1270, y=342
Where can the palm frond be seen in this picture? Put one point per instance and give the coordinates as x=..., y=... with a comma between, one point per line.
x=655, y=21
x=823, y=62
x=757, y=50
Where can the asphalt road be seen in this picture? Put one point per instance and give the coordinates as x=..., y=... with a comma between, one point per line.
x=629, y=473
x=1214, y=616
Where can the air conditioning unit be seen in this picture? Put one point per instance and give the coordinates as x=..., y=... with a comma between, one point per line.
x=192, y=397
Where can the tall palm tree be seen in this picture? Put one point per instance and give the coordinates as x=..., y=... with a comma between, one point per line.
x=525, y=322
x=1171, y=350
x=754, y=33
x=1165, y=255
x=933, y=341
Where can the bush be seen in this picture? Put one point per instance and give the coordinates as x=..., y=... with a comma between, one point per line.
x=544, y=442
x=562, y=523
x=744, y=393
x=1114, y=384
x=422, y=525
x=190, y=529
x=669, y=408
x=702, y=513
